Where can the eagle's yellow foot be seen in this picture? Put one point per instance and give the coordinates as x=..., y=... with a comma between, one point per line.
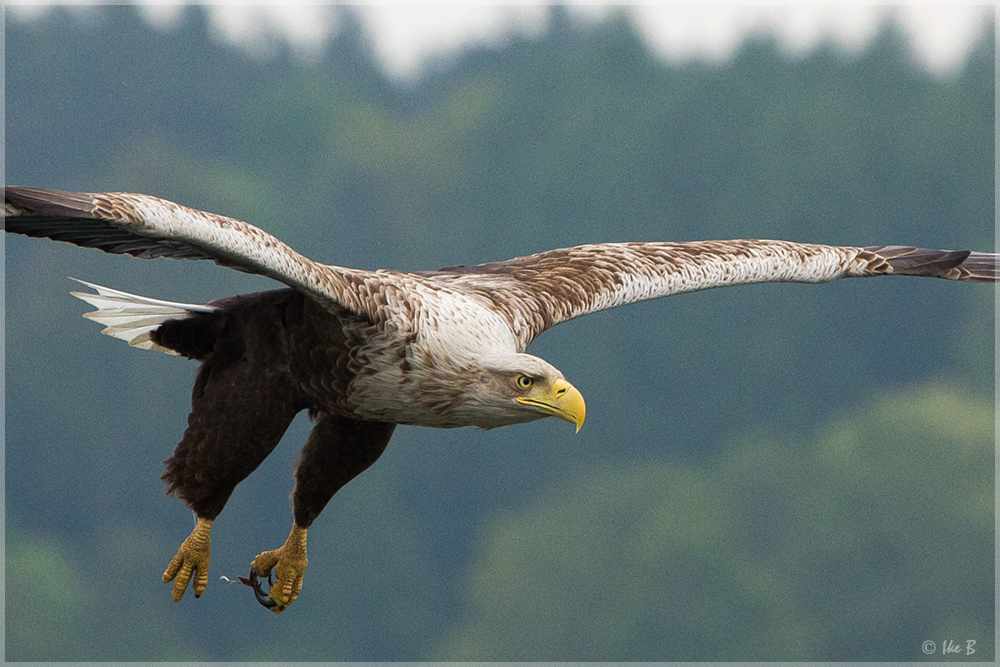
x=289, y=563
x=191, y=561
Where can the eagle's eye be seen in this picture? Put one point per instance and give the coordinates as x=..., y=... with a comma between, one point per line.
x=524, y=381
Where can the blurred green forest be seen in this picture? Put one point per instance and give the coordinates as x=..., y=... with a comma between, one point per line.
x=774, y=472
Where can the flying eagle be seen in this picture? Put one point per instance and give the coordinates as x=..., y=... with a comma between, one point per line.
x=363, y=351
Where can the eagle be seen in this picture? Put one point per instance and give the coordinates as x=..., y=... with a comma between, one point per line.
x=363, y=351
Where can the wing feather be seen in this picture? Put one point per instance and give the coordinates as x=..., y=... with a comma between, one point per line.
x=542, y=290
x=533, y=293
x=147, y=227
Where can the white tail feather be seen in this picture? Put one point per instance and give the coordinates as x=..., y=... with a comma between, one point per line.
x=131, y=317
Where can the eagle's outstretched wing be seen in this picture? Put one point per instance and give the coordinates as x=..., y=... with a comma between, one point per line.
x=542, y=290
x=146, y=227
x=533, y=293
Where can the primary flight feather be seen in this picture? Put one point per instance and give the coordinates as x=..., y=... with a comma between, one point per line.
x=366, y=350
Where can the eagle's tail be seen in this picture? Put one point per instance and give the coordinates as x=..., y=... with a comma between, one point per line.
x=133, y=318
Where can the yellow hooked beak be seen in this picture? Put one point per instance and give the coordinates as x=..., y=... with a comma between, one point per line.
x=561, y=400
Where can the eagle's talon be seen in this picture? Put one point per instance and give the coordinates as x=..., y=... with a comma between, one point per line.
x=190, y=565
x=288, y=563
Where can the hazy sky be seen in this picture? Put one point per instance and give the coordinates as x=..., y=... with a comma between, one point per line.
x=407, y=35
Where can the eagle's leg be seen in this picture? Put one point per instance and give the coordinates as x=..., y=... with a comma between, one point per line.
x=337, y=451
x=240, y=408
x=191, y=561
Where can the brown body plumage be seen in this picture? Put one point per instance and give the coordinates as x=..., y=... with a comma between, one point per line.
x=363, y=351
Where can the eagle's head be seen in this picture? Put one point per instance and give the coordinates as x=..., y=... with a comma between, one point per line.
x=522, y=388
x=459, y=373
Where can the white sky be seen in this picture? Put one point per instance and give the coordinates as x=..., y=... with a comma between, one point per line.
x=408, y=35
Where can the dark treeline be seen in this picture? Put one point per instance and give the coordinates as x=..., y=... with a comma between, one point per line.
x=769, y=472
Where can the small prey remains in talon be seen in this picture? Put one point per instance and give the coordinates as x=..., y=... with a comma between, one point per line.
x=258, y=592
x=288, y=563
